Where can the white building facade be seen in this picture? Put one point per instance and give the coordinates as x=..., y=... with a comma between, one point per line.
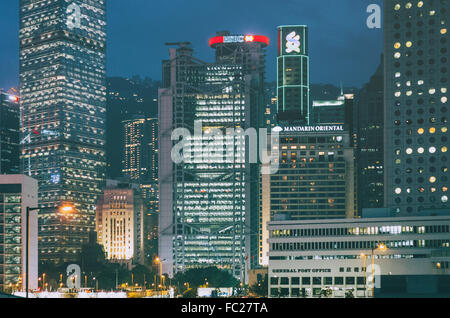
x=333, y=258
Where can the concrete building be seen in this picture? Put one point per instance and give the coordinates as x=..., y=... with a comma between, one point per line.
x=17, y=192
x=411, y=257
x=209, y=205
x=315, y=180
x=416, y=64
x=121, y=224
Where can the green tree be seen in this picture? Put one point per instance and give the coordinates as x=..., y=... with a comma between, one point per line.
x=260, y=288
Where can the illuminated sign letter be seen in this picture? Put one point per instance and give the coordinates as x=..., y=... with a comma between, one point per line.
x=293, y=42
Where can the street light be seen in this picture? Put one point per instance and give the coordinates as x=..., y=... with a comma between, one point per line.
x=381, y=247
x=63, y=209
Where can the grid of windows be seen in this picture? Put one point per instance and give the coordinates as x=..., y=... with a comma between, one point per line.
x=63, y=95
x=416, y=59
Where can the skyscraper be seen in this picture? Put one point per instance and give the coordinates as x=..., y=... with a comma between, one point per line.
x=126, y=98
x=140, y=163
x=63, y=95
x=9, y=133
x=315, y=179
x=206, y=201
x=370, y=152
x=416, y=68
x=293, y=74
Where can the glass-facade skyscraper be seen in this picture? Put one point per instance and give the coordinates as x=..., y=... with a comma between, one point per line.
x=63, y=96
x=416, y=64
x=9, y=133
x=209, y=202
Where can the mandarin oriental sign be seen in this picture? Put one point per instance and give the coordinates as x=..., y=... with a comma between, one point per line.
x=322, y=128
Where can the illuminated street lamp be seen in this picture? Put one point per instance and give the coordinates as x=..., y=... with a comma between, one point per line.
x=380, y=247
x=63, y=209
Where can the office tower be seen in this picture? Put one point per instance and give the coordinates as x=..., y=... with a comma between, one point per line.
x=9, y=134
x=293, y=74
x=271, y=110
x=206, y=204
x=416, y=68
x=17, y=192
x=248, y=51
x=140, y=165
x=140, y=162
x=120, y=224
x=370, y=151
x=126, y=98
x=315, y=180
x=63, y=96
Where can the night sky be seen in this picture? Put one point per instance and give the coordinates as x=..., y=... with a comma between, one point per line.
x=341, y=46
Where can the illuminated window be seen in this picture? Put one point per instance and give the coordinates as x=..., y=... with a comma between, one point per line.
x=443, y=31
x=408, y=5
x=444, y=100
x=444, y=149
x=397, y=55
x=409, y=151
x=397, y=7
x=421, y=150
x=444, y=90
x=432, y=149
x=420, y=131
x=398, y=191
x=397, y=45
x=432, y=130
x=444, y=189
x=420, y=4
x=398, y=74
x=444, y=199
x=444, y=129
x=433, y=179
x=408, y=44
x=432, y=91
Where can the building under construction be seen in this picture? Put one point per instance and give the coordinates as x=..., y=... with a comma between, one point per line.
x=209, y=201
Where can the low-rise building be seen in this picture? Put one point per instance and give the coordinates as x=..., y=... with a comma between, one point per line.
x=17, y=192
x=120, y=224
x=333, y=258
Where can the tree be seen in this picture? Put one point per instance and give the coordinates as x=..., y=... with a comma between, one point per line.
x=210, y=276
x=261, y=288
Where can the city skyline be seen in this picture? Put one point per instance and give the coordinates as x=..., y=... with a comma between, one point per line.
x=332, y=37
x=217, y=149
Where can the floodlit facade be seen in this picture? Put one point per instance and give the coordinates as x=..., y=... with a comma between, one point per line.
x=63, y=96
x=120, y=224
x=17, y=192
x=416, y=64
